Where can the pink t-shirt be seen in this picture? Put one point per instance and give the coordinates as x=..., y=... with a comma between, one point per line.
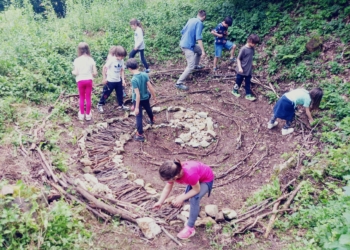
x=195, y=171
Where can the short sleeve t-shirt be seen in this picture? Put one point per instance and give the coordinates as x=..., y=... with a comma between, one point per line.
x=299, y=97
x=114, y=67
x=139, y=81
x=194, y=171
x=138, y=38
x=191, y=33
x=222, y=30
x=84, y=65
x=246, y=55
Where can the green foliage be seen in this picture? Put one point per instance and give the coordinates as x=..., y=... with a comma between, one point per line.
x=272, y=97
x=54, y=228
x=268, y=191
x=335, y=68
x=7, y=114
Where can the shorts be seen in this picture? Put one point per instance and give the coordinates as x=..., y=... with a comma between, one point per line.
x=218, y=48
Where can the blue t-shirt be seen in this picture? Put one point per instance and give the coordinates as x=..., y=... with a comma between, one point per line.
x=222, y=30
x=191, y=33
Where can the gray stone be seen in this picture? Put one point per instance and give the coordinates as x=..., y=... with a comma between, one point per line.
x=186, y=207
x=92, y=180
x=87, y=170
x=181, y=217
x=6, y=190
x=220, y=217
x=207, y=221
x=229, y=214
x=174, y=109
x=174, y=222
x=211, y=133
x=179, y=141
x=193, y=143
x=86, y=162
x=210, y=124
x=204, y=144
x=102, y=125
x=149, y=227
x=202, y=214
x=185, y=137
x=201, y=126
x=140, y=182
x=179, y=115
x=202, y=114
x=211, y=210
x=124, y=137
x=156, y=109
x=186, y=214
x=284, y=166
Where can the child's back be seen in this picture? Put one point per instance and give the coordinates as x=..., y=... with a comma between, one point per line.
x=84, y=65
x=139, y=81
x=245, y=56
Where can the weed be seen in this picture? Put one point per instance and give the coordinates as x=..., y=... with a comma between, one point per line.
x=268, y=191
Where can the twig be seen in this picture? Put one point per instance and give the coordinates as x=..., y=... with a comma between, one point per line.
x=171, y=237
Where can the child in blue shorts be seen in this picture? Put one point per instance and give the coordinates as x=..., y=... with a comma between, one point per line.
x=221, y=42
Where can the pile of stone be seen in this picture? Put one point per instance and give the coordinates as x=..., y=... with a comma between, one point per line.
x=199, y=126
x=90, y=183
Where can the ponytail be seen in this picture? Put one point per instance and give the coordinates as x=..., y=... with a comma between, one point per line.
x=136, y=22
x=170, y=169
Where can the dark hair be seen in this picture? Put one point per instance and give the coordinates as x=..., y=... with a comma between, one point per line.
x=83, y=49
x=228, y=20
x=253, y=38
x=136, y=22
x=132, y=64
x=202, y=13
x=120, y=51
x=316, y=95
x=169, y=169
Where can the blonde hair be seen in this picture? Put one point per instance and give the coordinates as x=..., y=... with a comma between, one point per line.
x=136, y=22
x=83, y=49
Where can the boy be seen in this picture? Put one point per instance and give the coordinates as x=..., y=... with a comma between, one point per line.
x=140, y=96
x=220, y=33
x=192, y=33
x=245, y=66
x=113, y=78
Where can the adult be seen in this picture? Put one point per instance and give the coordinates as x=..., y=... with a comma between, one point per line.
x=192, y=33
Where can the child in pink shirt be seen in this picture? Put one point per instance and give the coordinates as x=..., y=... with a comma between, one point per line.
x=199, y=178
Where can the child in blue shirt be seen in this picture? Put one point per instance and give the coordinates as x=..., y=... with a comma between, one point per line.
x=221, y=42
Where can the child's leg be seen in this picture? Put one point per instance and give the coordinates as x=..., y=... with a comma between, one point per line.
x=247, y=85
x=88, y=90
x=133, y=53
x=81, y=88
x=218, y=52
x=119, y=92
x=273, y=119
x=239, y=80
x=287, y=125
x=215, y=61
x=139, y=120
x=194, y=204
x=106, y=92
x=143, y=59
x=232, y=51
x=147, y=106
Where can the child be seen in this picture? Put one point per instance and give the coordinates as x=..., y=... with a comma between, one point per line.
x=84, y=70
x=245, y=66
x=140, y=96
x=139, y=42
x=113, y=77
x=199, y=178
x=220, y=33
x=287, y=104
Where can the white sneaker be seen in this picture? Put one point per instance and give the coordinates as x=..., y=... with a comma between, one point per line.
x=270, y=125
x=80, y=116
x=100, y=108
x=88, y=117
x=125, y=108
x=287, y=131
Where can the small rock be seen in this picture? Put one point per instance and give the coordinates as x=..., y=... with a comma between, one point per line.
x=181, y=217
x=211, y=133
x=201, y=126
x=174, y=222
x=202, y=214
x=229, y=214
x=92, y=180
x=131, y=176
x=124, y=175
x=109, y=121
x=220, y=217
x=186, y=207
x=202, y=114
x=102, y=125
x=156, y=109
x=284, y=166
x=80, y=183
x=179, y=141
x=211, y=210
x=86, y=162
x=87, y=170
x=140, y=182
x=207, y=221
x=185, y=137
x=204, y=144
x=148, y=227
x=41, y=172
x=217, y=228
x=179, y=115
x=125, y=137
x=6, y=190
x=149, y=189
x=210, y=124
x=193, y=143
x=174, y=109
x=186, y=214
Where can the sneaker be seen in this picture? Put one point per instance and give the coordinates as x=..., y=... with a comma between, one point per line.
x=181, y=86
x=147, y=71
x=250, y=98
x=125, y=108
x=232, y=60
x=88, y=117
x=287, y=131
x=270, y=125
x=100, y=108
x=215, y=69
x=235, y=93
x=80, y=116
x=199, y=67
x=140, y=138
x=186, y=233
x=151, y=121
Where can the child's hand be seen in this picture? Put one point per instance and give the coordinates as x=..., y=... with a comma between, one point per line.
x=240, y=70
x=135, y=49
x=157, y=205
x=311, y=121
x=136, y=111
x=124, y=83
x=104, y=81
x=177, y=202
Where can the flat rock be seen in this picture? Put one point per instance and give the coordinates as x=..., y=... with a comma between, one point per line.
x=181, y=217
x=149, y=227
x=179, y=115
x=86, y=162
x=204, y=144
x=210, y=123
x=211, y=210
x=92, y=180
x=156, y=109
x=87, y=170
x=174, y=109
x=229, y=213
x=185, y=137
x=125, y=137
x=202, y=114
x=169, y=199
x=205, y=221
x=193, y=143
x=202, y=214
x=211, y=133
x=220, y=217
x=186, y=207
x=179, y=141
x=6, y=190
x=174, y=222
x=140, y=182
x=186, y=214
x=102, y=125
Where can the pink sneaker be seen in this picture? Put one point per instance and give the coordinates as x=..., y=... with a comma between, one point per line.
x=186, y=233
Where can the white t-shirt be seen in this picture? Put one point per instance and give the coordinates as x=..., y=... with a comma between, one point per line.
x=138, y=37
x=299, y=97
x=84, y=66
x=114, y=66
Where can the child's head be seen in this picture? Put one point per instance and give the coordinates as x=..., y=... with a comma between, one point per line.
x=316, y=95
x=253, y=40
x=228, y=21
x=134, y=23
x=112, y=50
x=83, y=49
x=202, y=15
x=170, y=170
x=119, y=52
x=132, y=64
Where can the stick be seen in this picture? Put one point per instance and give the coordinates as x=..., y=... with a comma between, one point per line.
x=53, y=176
x=171, y=237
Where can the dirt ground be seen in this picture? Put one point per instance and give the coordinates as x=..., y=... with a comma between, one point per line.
x=232, y=116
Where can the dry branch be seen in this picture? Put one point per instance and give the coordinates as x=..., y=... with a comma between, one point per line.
x=171, y=237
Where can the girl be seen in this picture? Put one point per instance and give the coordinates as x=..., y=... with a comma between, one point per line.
x=84, y=70
x=287, y=104
x=139, y=42
x=199, y=178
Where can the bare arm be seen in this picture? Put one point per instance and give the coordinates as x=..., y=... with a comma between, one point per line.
x=216, y=34
x=122, y=73
x=165, y=193
x=309, y=116
x=181, y=198
x=104, y=74
x=200, y=43
x=153, y=92
x=137, y=105
x=94, y=70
